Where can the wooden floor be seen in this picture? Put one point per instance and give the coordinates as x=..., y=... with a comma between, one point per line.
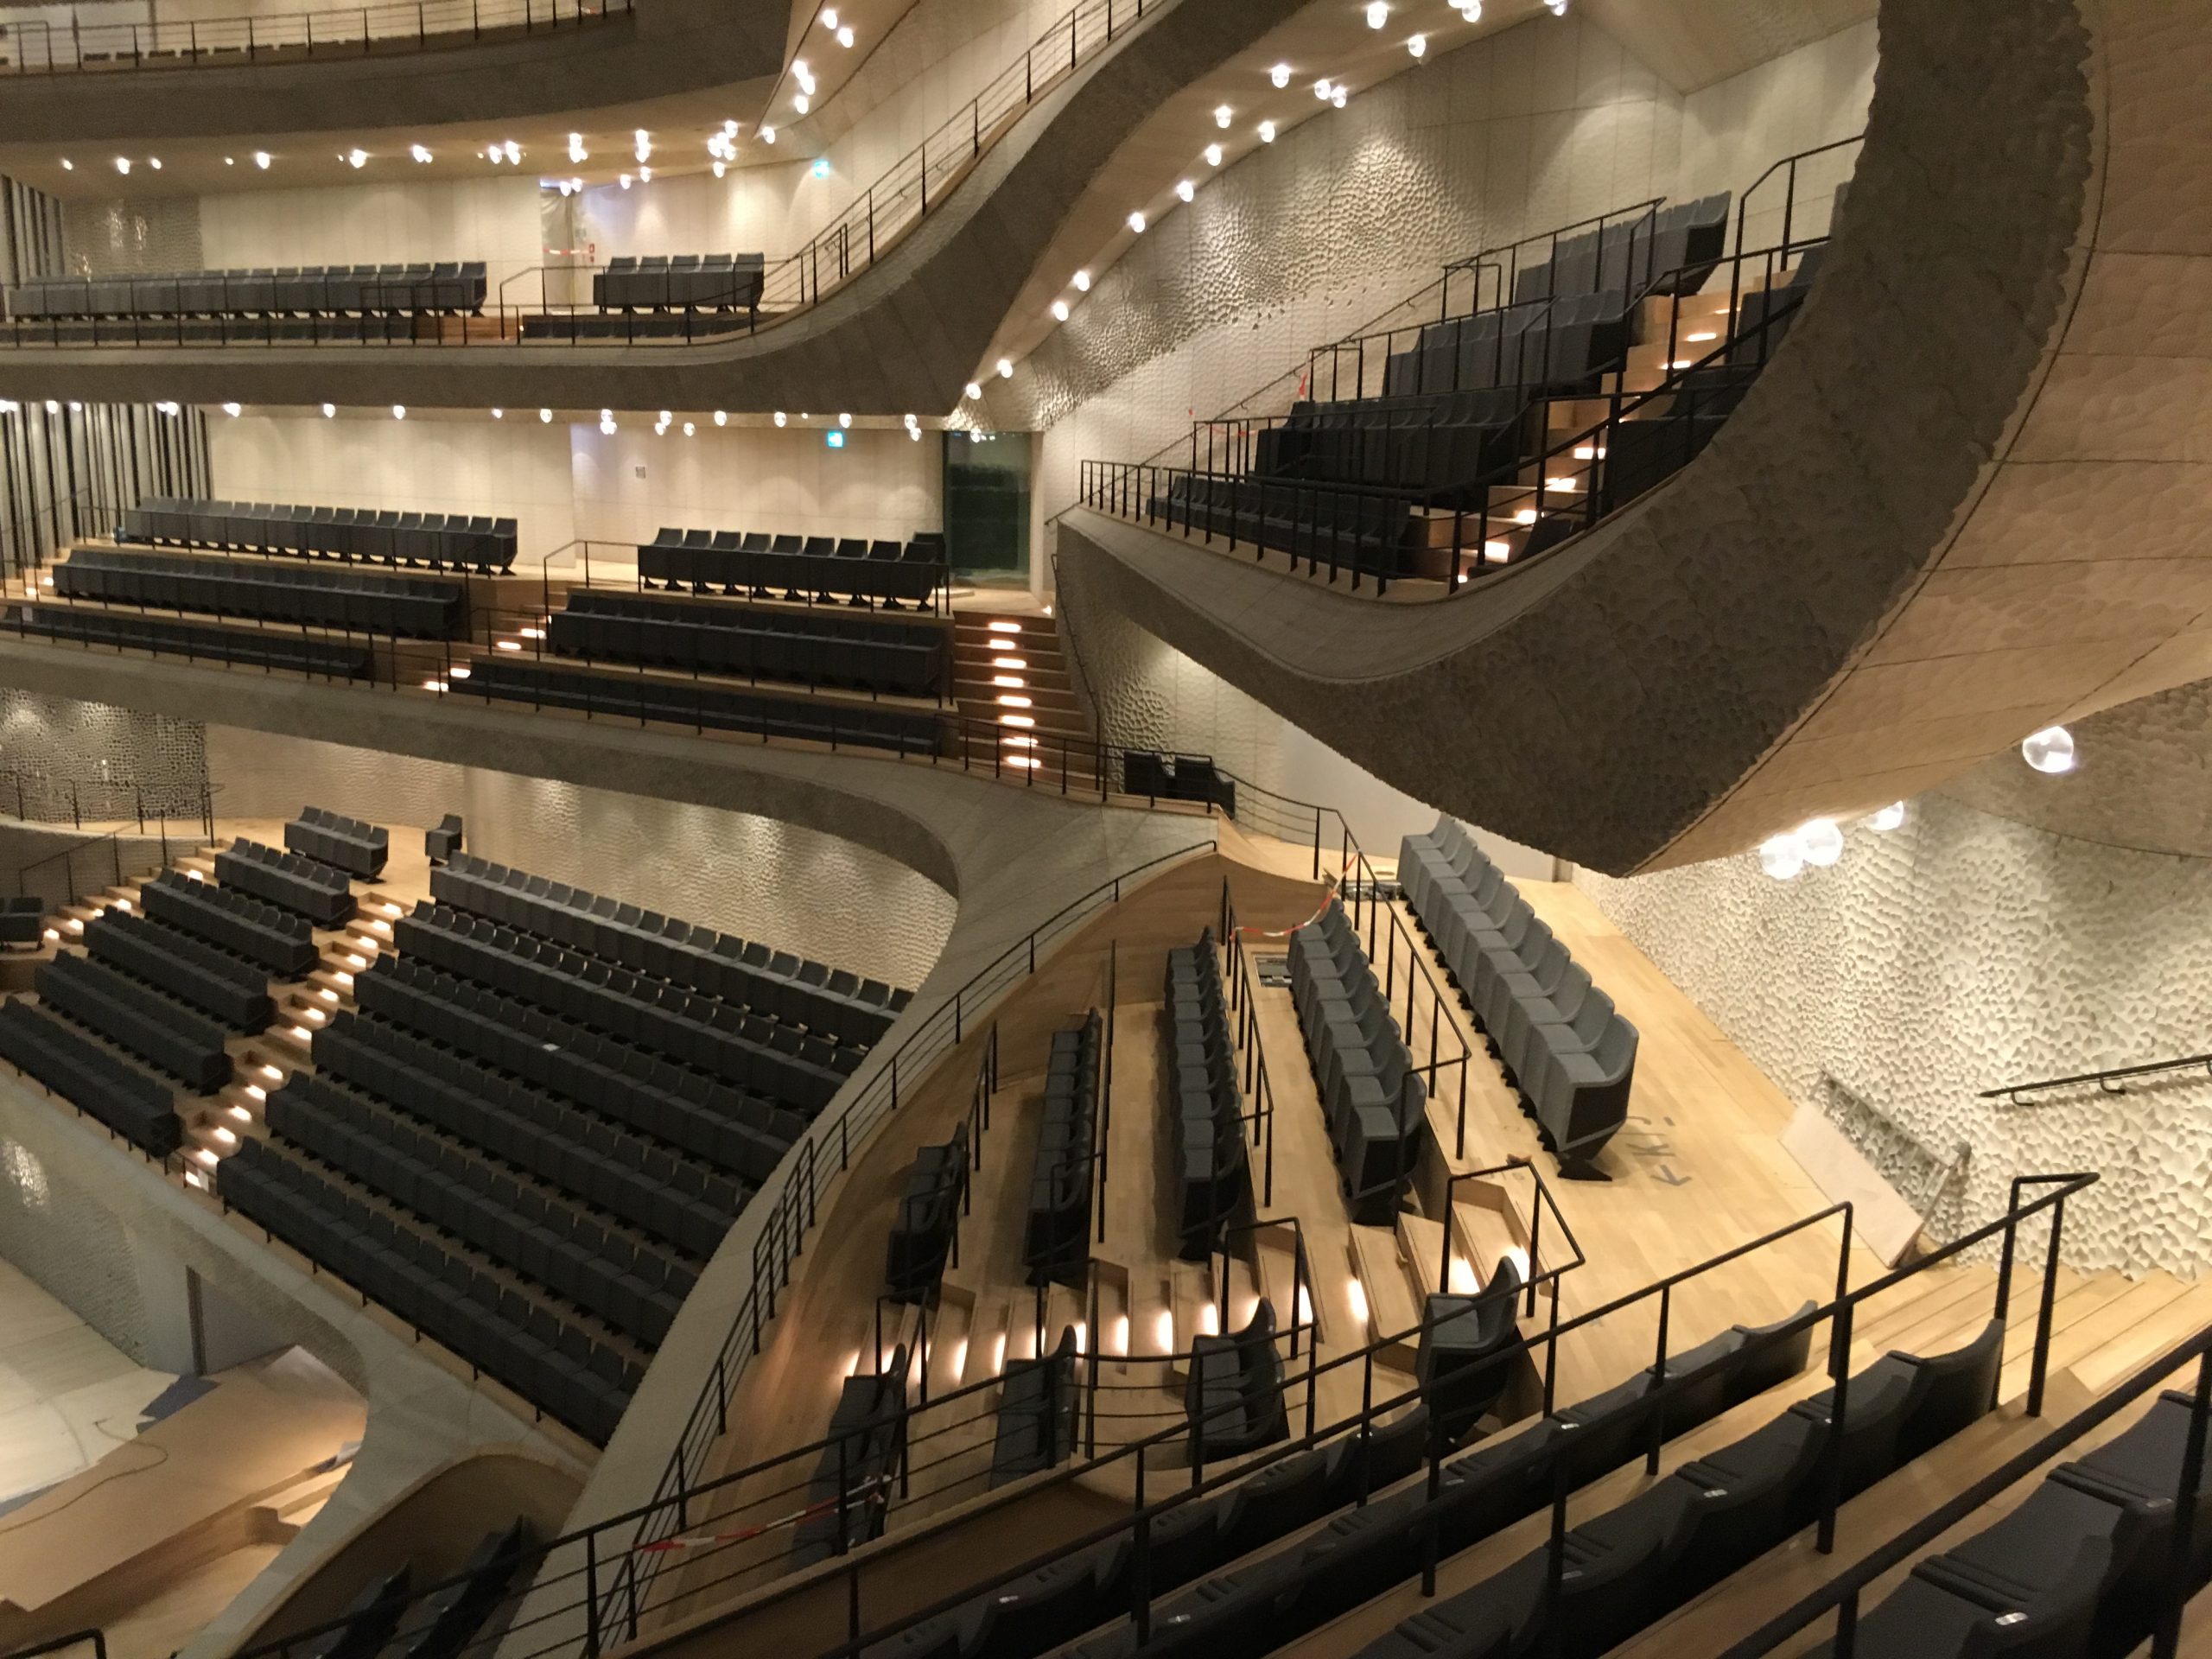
x=68, y=1396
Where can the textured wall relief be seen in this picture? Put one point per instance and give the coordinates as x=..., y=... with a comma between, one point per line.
x=61, y=1235
x=108, y=753
x=1965, y=952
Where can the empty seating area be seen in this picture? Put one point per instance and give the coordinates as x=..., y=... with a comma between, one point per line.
x=1232, y=1399
x=798, y=717
x=1563, y=1043
x=925, y=1228
x=1177, y=778
x=1669, y=250
x=2077, y=1568
x=433, y=540
x=1374, y=1102
x=1213, y=1170
x=1710, y=1518
x=680, y=282
x=1361, y=531
x=830, y=1003
x=709, y=636
x=127, y=1098
x=294, y=291
x=1434, y=444
x=1056, y=1240
x=173, y=1039
x=765, y=565
x=423, y=608
x=291, y=882
x=1036, y=1413
x=1562, y=343
x=226, y=987
x=846, y=1498
x=277, y=939
x=344, y=843
x=333, y=659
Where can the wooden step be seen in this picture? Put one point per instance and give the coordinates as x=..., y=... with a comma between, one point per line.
x=1191, y=1300
x=1276, y=1247
x=1393, y=1309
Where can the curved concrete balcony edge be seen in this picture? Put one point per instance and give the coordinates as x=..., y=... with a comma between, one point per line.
x=664, y=46
x=1966, y=499
x=903, y=337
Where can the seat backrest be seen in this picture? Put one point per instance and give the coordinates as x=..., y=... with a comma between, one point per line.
x=1593, y=1017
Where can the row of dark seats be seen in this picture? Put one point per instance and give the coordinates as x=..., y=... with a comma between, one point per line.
x=2080, y=1568
x=1561, y=345
x=1470, y=1348
x=439, y=1623
x=749, y=1050
x=378, y=329
x=558, y=1366
x=678, y=1203
x=334, y=659
x=682, y=282
x=1710, y=1519
x=850, y=1493
x=1056, y=1236
x=171, y=1038
x=798, y=567
x=1376, y=1102
x=796, y=718
x=1379, y=1536
x=576, y=327
x=742, y=1133
x=353, y=845
x=715, y=637
x=1434, y=445
x=268, y=935
x=416, y=607
x=1667, y=250
x=1213, y=1173
x=1232, y=1397
x=1559, y=1037
x=292, y=881
x=437, y=540
x=1036, y=1427
x=514, y=1224
x=138, y=1105
x=233, y=988
x=1177, y=778
x=799, y=991
x=1357, y=531
x=925, y=1227
x=296, y=290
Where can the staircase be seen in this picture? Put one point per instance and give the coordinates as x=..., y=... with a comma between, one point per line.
x=1010, y=677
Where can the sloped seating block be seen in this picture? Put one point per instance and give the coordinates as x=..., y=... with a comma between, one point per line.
x=309, y=289
x=833, y=1005
x=1037, y=1414
x=164, y=1034
x=437, y=540
x=1232, y=1398
x=136, y=1104
x=866, y=1440
x=1204, y=1101
x=167, y=636
x=1333, y=524
x=1056, y=1239
x=233, y=919
x=290, y=881
x=864, y=653
x=733, y=562
x=345, y=843
x=927, y=1220
x=314, y=596
x=716, y=708
x=231, y=988
x=718, y=282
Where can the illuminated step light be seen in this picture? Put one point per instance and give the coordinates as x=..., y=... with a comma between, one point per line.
x=193, y=1178
x=1004, y=627
x=343, y=977
x=1010, y=702
x=1526, y=516
x=1009, y=662
x=53, y=938
x=204, y=1156
x=1702, y=338
x=1012, y=682
x=532, y=633
x=1018, y=742
x=507, y=645
x=194, y=875
x=328, y=995
x=256, y=1091
x=1497, y=550
x=302, y=1034
x=457, y=672
x=1164, y=1332
x=1026, y=762
x=1590, y=452
x=225, y=1137
x=1017, y=720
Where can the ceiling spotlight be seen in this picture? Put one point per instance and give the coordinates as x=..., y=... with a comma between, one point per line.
x=1213, y=154
x=806, y=76
x=1280, y=74
x=607, y=428
x=1060, y=310
x=330, y=411
x=123, y=164
x=1471, y=10
x=667, y=416
x=2051, y=750
x=1781, y=857
x=399, y=412
x=1266, y=132
x=845, y=421
x=1890, y=818
x=1083, y=281
x=644, y=175
x=421, y=153
x=230, y=161
x=910, y=421
x=690, y=428
x=767, y=134
x=781, y=417
x=1005, y=368
x=68, y=166
x=645, y=144
x=1378, y=13
x=720, y=167
x=574, y=186
x=1223, y=117
x=975, y=389
x=513, y=151
x=154, y=161
x=1821, y=841
x=261, y=159
x=577, y=154
x=829, y=17
x=357, y=158
x=1322, y=89
x=915, y=433
x=231, y=410
x=1340, y=96
x=721, y=418
x=545, y=417
x=627, y=180
x=1557, y=8
x=1418, y=45
x=498, y=414
x=845, y=36
x=1136, y=223
x=801, y=103
x=1187, y=190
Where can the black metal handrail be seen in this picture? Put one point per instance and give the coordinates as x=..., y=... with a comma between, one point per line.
x=201, y=813
x=1842, y=1594
x=61, y=1644
x=2106, y=1080
x=388, y=25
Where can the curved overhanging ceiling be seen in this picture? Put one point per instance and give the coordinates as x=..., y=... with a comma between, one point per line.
x=1966, y=499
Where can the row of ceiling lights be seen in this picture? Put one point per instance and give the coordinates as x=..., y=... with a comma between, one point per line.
x=608, y=424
